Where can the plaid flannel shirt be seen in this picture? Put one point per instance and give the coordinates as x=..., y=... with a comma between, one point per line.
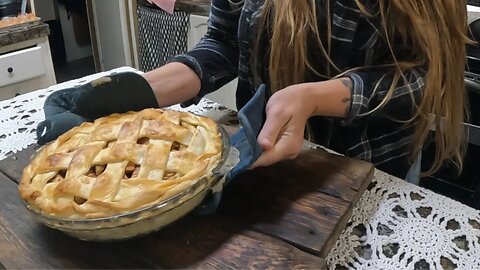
x=225, y=53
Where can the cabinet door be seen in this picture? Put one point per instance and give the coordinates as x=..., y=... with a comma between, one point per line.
x=226, y=94
x=21, y=65
x=110, y=23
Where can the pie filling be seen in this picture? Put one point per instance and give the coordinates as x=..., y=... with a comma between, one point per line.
x=121, y=163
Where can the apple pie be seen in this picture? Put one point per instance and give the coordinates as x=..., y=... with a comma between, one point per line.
x=121, y=163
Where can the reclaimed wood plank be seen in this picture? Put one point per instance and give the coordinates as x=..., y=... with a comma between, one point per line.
x=352, y=168
x=12, y=166
x=341, y=176
x=216, y=242
x=305, y=202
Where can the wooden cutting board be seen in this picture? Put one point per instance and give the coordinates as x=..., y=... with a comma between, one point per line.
x=285, y=216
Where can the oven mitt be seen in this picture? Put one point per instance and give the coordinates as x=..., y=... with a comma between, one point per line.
x=252, y=117
x=116, y=93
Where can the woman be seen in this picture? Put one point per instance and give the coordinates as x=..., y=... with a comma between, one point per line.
x=363, y=77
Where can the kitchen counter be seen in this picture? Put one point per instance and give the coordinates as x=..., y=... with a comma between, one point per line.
x=19, y=34
x=197, y=7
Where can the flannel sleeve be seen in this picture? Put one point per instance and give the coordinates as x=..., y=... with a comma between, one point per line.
x=215, y=58
x=371, y=86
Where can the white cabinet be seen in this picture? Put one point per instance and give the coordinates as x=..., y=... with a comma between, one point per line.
x=21, y=65
x=226, y=94
x=25, y=66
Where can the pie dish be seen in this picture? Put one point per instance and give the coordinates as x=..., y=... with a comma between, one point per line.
x=124, y=168
x=121, y=163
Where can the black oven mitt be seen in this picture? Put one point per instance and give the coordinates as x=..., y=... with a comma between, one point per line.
x=116, y=93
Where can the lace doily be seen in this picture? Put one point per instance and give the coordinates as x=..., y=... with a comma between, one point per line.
x=395, y=225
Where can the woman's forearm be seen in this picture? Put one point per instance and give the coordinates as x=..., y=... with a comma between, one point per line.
x=329, y=98
x=173, y=83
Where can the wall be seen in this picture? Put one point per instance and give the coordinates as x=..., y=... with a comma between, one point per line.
x=112, y=33
x=45, y=9
x=73, y=49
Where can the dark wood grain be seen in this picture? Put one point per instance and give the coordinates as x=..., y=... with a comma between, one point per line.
x=305, y=202
x=216, y=242
x=12, y=166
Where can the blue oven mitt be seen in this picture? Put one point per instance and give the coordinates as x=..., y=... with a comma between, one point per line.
x=116, y=93
x=252, y=117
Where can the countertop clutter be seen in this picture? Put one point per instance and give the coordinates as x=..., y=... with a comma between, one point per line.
x=394, y=225
x=18, y=20
x=197, y=7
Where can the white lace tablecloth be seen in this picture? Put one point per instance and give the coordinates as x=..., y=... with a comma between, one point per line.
x=395, y=225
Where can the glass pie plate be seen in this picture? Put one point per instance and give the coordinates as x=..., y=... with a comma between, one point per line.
x=151, y=218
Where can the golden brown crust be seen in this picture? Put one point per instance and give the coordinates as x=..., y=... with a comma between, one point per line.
x=121, y=163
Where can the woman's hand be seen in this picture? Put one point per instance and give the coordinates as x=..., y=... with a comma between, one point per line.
x=282, y=135
x=288, y=111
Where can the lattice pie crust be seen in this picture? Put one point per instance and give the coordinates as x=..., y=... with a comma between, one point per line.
x=121, y=163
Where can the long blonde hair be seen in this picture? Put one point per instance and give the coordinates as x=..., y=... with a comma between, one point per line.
x=436, y=30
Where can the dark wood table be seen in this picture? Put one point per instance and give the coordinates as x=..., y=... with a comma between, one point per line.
x=285, y=216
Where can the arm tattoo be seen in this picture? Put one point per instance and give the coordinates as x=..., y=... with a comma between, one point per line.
x=347, y=100
x=347, y=82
